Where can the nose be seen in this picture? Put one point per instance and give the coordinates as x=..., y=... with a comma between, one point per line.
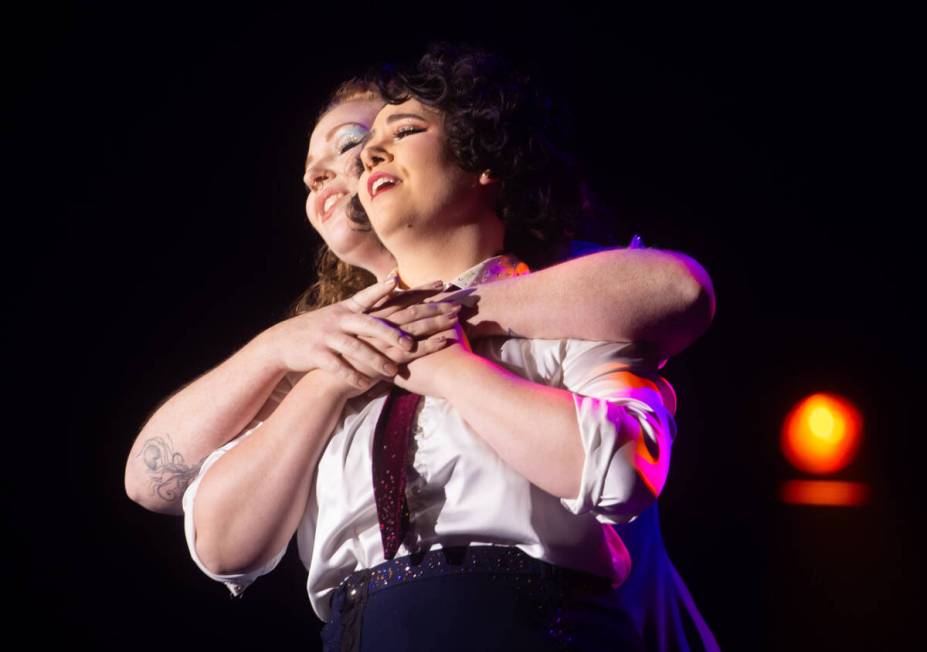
x=373, y=155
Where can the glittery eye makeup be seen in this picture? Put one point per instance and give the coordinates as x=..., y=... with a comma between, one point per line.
x=407, y=130
x=349, y=136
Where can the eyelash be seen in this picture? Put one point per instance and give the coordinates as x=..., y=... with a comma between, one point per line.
x=349, y=144
x=406, y=130
x=400, y=133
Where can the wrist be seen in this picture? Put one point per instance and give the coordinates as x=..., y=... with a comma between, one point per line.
x=324, y=385
x=457, y=369
x=265, y=348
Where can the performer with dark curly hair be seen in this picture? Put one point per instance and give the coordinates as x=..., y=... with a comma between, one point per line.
x=516, y=458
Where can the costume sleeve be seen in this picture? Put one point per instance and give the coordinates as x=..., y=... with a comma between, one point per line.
x=237, y=582
x=625, y=416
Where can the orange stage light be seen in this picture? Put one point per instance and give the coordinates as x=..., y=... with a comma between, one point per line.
x=822, y=434
x=824, y=492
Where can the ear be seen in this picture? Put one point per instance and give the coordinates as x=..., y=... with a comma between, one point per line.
x=486, y=178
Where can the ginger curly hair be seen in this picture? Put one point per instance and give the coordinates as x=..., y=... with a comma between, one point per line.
x=336, y=280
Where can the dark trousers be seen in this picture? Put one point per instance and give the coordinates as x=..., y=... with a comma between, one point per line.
x=497, y=610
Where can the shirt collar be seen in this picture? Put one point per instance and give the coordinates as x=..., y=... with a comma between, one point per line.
x=491, y=269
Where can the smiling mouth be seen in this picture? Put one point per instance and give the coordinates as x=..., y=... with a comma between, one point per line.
x=380, y=183
x=328, y=205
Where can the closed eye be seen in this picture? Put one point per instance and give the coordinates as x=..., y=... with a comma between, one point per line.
x=349, y=136
x=407, y=130
x=348, y=144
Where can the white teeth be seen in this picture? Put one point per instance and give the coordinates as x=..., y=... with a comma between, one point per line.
x=382, y=181
x=330, y=201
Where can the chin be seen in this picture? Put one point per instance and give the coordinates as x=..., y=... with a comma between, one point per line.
x=388, y=225
x=363, y=257
x=352, y=245
x=346, y=248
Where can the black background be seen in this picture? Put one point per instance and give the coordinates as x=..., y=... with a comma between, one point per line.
x=154, y=160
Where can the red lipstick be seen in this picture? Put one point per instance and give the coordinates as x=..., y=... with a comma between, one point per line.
x=386, y=182
x=323, y=197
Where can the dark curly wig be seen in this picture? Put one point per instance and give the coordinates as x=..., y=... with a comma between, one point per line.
x=496, y=119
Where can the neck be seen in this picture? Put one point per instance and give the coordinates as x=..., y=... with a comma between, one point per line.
x=374, y=258
x=382, y=267
x=443, y=256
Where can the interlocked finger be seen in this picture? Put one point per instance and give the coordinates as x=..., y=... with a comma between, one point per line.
x=397, y=355
x=421, y=310
x=430, y=325
x=409, y=297
x=373, y=327
x=355, y=349
x=339, y=367
x=436, y=342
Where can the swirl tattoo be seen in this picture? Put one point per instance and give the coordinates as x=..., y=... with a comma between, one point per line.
x=170, y=475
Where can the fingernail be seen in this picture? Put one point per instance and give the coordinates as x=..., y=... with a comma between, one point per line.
x=438, y=285
x=391, y=369
x=405, y=341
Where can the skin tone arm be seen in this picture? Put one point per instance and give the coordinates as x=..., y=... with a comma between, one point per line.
x=250, y=502
x=645, y=295
x=526, y=423
x=660, y=298
x=171, y=447
x=252, y=499
x=216, y=407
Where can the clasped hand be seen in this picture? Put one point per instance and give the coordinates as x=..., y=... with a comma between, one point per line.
x=440, y=340
x=374, y=336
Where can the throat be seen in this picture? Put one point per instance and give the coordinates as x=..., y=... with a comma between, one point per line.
x=424, y=256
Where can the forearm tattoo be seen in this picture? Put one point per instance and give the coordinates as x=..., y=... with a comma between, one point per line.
x=170, y=475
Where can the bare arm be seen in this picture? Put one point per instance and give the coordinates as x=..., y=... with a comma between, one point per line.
x=251, y=500
x=217, y=406
x=196, y=420
x=608, y=454
x=527, y=424
x=660, y=298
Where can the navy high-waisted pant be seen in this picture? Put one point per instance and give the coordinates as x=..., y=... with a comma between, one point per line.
x=476, y=598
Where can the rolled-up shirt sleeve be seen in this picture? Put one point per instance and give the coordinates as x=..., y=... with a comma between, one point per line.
x=237, y=582
x=624, y=413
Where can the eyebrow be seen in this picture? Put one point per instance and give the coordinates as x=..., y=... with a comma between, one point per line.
x=390, y=120
x=328, y=136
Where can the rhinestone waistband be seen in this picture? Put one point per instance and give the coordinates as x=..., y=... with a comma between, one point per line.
x=458, y=560
x=540, y=581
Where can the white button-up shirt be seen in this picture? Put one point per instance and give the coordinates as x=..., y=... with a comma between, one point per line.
x=460, y=491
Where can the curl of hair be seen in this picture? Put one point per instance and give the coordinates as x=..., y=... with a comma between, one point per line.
x=335, y=281
x=497, y=119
